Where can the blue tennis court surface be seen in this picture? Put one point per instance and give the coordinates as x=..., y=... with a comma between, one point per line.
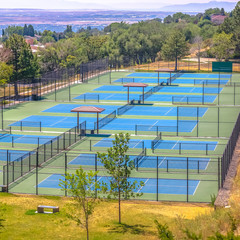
x=136, y=110
x=116, y=124
x=166, y=89
x=176, y=81
x=149, y=162
x=26, y=139
x=165, y=186
x=164, y=144
x=184, y=75
x=12, y=154
x=152, y=98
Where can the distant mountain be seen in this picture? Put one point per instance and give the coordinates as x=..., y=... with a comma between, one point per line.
x=200, y=7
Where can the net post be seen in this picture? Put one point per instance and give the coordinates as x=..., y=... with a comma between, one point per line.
x=136, y=129
x=206, y=148
x=180, y=148
x=12, y=142
x=157, y=177
x=40, y=126
x=90, y=141
x=167, y=165
x=198, y=166
x=38, y=142
x=21, y=128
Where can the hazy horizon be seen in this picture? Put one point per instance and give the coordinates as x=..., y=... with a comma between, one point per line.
x=96, y=4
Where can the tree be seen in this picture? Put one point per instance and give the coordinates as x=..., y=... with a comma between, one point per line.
x=119, y=167
x=25, y=65
x=222, y=46
x=30, y=30
x=82, y=186
x=198, y=42
x=163, y=232
x=25, y=30
x=175, y=47
x=5, y=73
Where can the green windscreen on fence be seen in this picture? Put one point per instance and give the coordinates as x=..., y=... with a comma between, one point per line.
x=222, y=66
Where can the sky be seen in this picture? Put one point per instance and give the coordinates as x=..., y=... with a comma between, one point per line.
x=96, y=4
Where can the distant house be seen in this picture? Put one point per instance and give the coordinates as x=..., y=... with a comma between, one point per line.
x=30, y=40
x=217, y=19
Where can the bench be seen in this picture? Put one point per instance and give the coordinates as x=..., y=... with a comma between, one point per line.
x=4, y=188
x=41, y=208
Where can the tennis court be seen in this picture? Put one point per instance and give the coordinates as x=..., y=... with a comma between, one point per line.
x=149, y=162
x=116, y=124
x=151, y=98
x=164, y=144
x=26, y=139
x=175, y=81
x=135, y=110
x=165, y=89
x=165, y=186
x=11, y=155
x=183, y=75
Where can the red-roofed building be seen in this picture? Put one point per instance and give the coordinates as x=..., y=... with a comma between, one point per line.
x=217, y=19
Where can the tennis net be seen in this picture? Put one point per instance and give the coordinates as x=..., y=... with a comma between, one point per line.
x=105, y=120
x=175, y=76
x=139, y=159
x=125, y=108
x=156, y=141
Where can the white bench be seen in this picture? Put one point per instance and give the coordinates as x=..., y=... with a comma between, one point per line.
x=41, y=208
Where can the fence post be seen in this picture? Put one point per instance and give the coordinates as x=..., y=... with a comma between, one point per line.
x=218, y=122
x=197, y=119
x=65, y=174
x=157, y=178
x=37, y=172
x=177, y=119
x=96, y=175
x=218, y=173
x=7, y=169
x=187, y=179
x=234, y=94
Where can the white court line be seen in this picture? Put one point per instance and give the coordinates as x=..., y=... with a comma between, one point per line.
x=196, y=188
x=161, y=162
x=168, y=111
x=109, y=96
x=143, y=186
x=155, y=123
x=175, y=144
x=58, y=122
x=137, y=143
x=192, y=89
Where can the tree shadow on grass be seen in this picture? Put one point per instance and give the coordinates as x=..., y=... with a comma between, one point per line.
x=125, y=228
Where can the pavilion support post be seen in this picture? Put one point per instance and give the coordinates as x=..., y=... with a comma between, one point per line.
x=143, y=94
x=97, y=123
x=78, y=122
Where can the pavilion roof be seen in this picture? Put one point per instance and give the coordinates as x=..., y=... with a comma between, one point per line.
x=135, y=84
x=89, y=109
